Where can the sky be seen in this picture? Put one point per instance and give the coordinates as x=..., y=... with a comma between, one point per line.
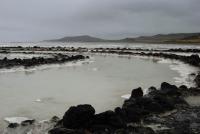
x=35, y=20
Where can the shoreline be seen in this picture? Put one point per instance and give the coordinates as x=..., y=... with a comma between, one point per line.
x=139, y=111
x=163, y=110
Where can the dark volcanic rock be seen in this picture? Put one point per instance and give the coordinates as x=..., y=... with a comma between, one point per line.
x=13, y=125
x=78, y=117
x=135, y=130
x=137, y=93
x=55, y=119
x=152, y=89
x=169, y=89
x=108, y=120
x=183, y=87
x=166, y=107
x=194, y=60
x=27, y=122
x=62, y=130
x=35, y=61
x=197, y=80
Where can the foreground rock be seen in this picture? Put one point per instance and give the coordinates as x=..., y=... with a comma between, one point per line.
x=126, y=120
x=78, y=117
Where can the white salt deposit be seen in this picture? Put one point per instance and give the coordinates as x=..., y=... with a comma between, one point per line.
x=126, y=96
x=17, y=120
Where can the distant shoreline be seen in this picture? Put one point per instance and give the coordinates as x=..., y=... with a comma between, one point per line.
x=178, y=38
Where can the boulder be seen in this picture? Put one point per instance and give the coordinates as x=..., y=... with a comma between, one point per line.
x=197, y=80
x=13, y=125
x=61, y=130
x=143, y=106
x=183, y=87
x=121, y=113
x=166, y=103
x=108, y=119
x=168, y=89
x=194, y=59
x=78, y=117
x=152, y=89
x=133, y=115
x=135, y=130
x=137, y=93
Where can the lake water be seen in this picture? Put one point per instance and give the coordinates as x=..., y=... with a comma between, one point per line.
x=103, y=45
x=45, y=91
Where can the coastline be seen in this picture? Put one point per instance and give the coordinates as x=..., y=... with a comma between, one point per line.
x=172, y=92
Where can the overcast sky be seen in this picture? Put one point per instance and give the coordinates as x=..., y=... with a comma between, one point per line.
x=33, y=20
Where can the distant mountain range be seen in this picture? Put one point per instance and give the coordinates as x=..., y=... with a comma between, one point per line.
x=159, y=38
x=83, y=38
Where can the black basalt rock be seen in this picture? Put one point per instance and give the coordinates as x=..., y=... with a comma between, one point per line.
x=78, y=117
x=62, y=130
x=197, y=80
x=137, y=93
x=13, y=125
x=135, y=130
x=152, y=89
x=194, y=60
x=168, y=89
x=108, y=120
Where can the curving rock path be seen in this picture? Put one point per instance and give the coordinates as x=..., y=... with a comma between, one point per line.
x=35, y=61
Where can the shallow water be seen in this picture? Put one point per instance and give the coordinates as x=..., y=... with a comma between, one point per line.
x=44, y=92
x=193, y=100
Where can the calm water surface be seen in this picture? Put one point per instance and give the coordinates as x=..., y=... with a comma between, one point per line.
x=45, y=91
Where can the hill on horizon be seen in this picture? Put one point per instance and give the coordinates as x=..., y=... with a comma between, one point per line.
x=81, y=38
x=159, y=38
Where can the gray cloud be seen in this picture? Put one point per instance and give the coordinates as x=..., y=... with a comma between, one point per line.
x=33, y=20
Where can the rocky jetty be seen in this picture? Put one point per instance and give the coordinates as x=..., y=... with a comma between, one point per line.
x=35, y=61
x=136, y=114
x=194, y=59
